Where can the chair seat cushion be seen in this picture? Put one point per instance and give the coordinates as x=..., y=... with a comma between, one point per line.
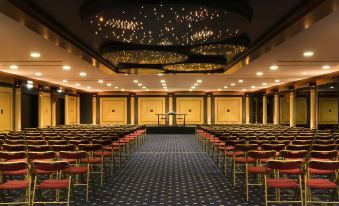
x=76, y=170
x=54, y=184
x=104, y=153
x=231, y=154
x=112, y=148
x=320, y=172
x=259, y=170
x=291, y=172
x=244, y=160
x=71, y=161
x=42, y=172
x=282, y=183
x=14, y=185
x=17, y=172
x=92, y=160
x=321, y=184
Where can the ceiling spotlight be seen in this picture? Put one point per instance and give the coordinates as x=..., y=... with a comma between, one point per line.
x=199, y=80
x=326, y=67
x=264, y=84
x=253, y=87
x=139, y=84
x=29, y=82
x=29, y=86
x=165, y=87
x=162, y=81
x=244, y=89
x=304, y=73
x=166, y=90
x=196, y=84
x=232, y=84
x=64, y=81
x=116, y=87
x=190, y=90
x=260, y=73
x=88, y=87
x=308, y=53
x=147, y=89
x=100, y=81
x=77, y=84
x=14, y=67
x=122, y=90
x=225, y=87
x=59, y=90
x=143, y=87
x=240, y=80
x=277, y=80
x=66, y=67
x=38, y=74
x=83, y=74
x=274, y=67
x=192, y=87
x=164, y=84
x=109, y=84
x=135, y=81
x=332, y=87
x=35, y=55
x=219, y=89
x=160, y=74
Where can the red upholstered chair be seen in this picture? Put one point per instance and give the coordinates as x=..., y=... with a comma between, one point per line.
x=15, y=168
x=13, y=156
x=278, y=181
x=330, y=182
x=258, y=168
x=325, y=147
x=38, y=148
x=56, y=182
x=230, y=151
x=78, y=168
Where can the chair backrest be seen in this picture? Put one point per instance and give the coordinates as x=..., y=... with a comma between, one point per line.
x=57, y=142
x=51, y=166
x=36, y=142
x=12, y=155
x=58, y=148
x=90, y=147
x=319, y=147
x=102, y=142
x=38, y=148
x=275, y=147
x=73, y=154
x=260, y=154
x=41, y=155
x=14, y=142
x=294, y=154
x=13, y=166
x=14, y=148
x=301, y=142
x=324, y=154
x=284, y=164
x=298, y=147
x=323, y=165
x=246, y=147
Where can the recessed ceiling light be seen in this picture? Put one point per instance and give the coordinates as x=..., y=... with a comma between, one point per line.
x=122, y=90
x=116, y=87
x=277, y=80
x=308, y=53
x=164, y=84
x=147, y=89
x=100, y=81
x=326, y=67
x=240, y=80
x=160, y=74
x=109, y=84
x=29, y=86
x=135, y=81
x=274, y=67
x=143, y=87
x=232, y=84
x=260, y=73
x=264, y=84
x=29, y=82
x=126, y=74
x=196, y=84
x=162, y=81
x=83, y=74
x=139, y=84
x=38, y=74
x=88, y=87
x=253, y=87
x=165, y=87
x=219, y=89
x=192, y=87
x=77, y=84
x=64, y=81
x=190, y=90
x=35, y=55
x=304, y=73
x=199, y=80
x=332, y=87
x=166, y=90
x=14, y=67
x=66, y=67
x=244, y=89
x=225, y=87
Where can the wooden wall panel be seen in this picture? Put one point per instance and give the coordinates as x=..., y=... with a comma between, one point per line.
x=228, y=110
x=284, y=111
x=301, y=110
x=113, y=110
x=148, y=107
x=72, y=110
x=47, y=110
x=6, y=109
x=328, y=110
x=193, y=107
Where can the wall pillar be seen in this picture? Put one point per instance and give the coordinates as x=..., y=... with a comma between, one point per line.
x=247, y=109
x=17, y=109
x=292, y=109
x=78, y=109
x=276, y=109
x=170, y=109
x=264, y=109
x=132, y=109
x=313, y=108
x=54, y=99
x=209, y=109
x=94, y=109
x=40, y=110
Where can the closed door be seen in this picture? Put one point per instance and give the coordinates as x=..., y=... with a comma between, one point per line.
x=5, y=111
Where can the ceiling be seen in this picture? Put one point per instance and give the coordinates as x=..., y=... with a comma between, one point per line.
x=320, y=38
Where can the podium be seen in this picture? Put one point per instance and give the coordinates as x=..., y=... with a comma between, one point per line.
x=166, y=117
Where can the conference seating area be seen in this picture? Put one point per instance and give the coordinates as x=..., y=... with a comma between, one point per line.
x=58, y=159
x=291, y=165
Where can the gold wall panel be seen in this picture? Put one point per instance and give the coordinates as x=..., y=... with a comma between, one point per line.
x=6, y=110
x=71, y=110
x=228, y=110
x=113, y=110
x=193, y=107
x=328, y=110
x=46, y=109
x=284, y=111
x=301, y=110
x=148, y=107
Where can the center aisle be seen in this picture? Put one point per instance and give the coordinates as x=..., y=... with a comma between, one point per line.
x=168, y=170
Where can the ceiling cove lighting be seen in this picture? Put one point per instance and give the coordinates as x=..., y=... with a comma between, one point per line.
x=260, y=73
x=253, y=87
x=83, y=74
x=88, y=87
x=308, y=53
x=66, y=67
x=274, y=67
x=14, y=67
x=326, y=67
x=35, y=55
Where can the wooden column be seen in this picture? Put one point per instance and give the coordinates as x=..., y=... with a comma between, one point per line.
x=66, y=109
x=170, y=109
x=276, y=109
x=40, y=110
x=292, y=109
x=132, y=109
x=264, y=109
x=247, y=109
x=209, y=109
x=17, y=109
x=54, y=99
x=94, y=109
x=78, y=110
x=313, y=108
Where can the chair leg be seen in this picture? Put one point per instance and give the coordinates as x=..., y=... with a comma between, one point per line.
x=34, y=190
x=246, y=183
x=265, y=188
x=69, y=190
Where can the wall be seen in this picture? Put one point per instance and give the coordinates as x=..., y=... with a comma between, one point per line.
x=328, y=110
x=70, y=109
x=228, y=110
x=113, y=110
x=6, y=109
x=148, y=107
x=45, y=109
x=86, y=108
x=301, y=110
x=193, y=107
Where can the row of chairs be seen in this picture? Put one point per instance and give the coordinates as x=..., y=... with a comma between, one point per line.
x=64, y=163
x=275, y=160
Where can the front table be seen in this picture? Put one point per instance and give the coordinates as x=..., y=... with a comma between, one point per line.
x=166, y=117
